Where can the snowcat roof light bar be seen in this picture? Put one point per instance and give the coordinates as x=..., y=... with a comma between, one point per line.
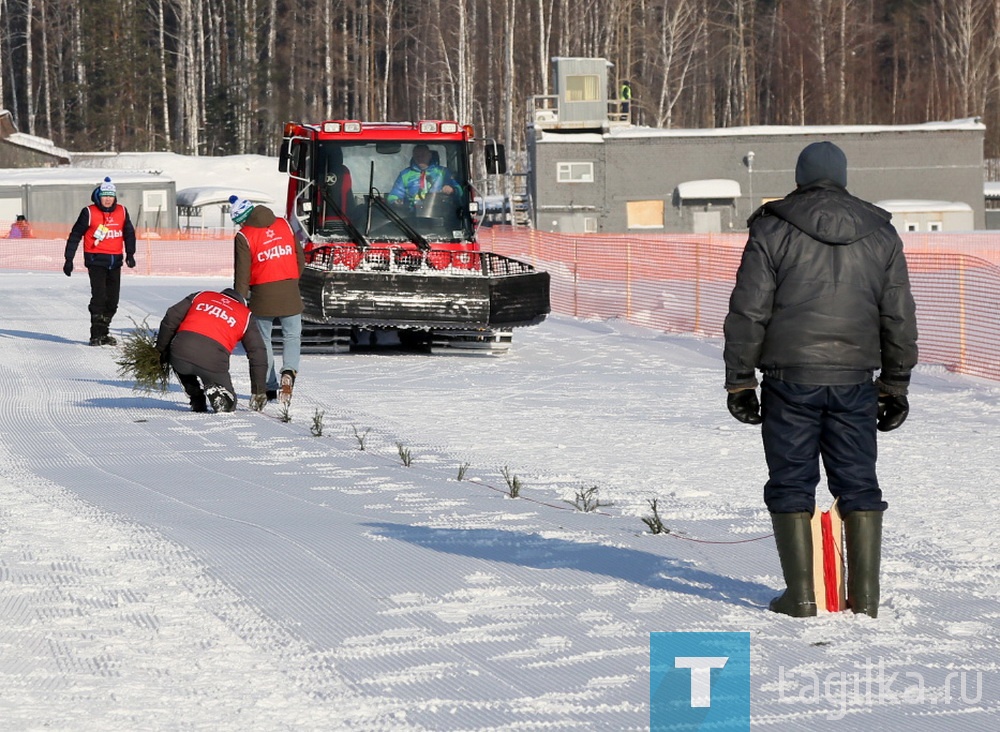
x=345, y=126
x=430, y=126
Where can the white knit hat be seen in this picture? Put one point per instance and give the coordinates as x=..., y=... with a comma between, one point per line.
x=239, y=209
x=107, y=188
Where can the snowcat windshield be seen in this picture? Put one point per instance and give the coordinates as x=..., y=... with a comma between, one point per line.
x=425, y=183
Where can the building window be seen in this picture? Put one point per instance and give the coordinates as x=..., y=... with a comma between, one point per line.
x=154, y=201
x=912, y=226
x=644, y=214
x=575, y=172
x=934, y=226
x=589, y=225
x=582, y=89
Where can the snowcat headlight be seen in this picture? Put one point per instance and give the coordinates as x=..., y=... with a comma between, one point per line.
x=352, y=127
x=331, y=127
x=474, y=207
x=427, y=126
x=448, y=127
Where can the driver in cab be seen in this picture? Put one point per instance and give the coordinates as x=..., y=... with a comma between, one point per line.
x=422, y=177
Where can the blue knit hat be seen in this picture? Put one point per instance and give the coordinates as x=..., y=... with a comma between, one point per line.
x=239, y=209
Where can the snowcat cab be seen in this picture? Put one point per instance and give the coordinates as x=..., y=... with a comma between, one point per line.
x=388, y=216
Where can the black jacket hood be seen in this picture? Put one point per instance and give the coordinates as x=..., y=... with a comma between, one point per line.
x=826, y=212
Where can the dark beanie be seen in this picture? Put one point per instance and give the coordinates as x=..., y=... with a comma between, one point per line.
x=234, y=295
x=821, y=160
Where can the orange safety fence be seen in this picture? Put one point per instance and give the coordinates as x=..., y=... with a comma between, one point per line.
x=681, y=284
x=671, y=283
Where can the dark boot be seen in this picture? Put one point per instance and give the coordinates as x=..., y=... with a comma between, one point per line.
x=97, y=329
x=198, y=402
x=793, y=536
x=107, y=340
x=863, y=531
x=192, y=387
x=221, y=399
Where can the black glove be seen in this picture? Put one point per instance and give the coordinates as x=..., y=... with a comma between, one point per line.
x=892, y=411
x=744, y=406
x=130, y=260
x=68, y=267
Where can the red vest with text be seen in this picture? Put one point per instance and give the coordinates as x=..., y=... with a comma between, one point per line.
x=272, y=253
x=218, y=317
x=104, y=236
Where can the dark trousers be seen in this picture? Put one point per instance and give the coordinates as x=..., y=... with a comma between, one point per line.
x=189, y=374
x=105, y=288
x=805, y=423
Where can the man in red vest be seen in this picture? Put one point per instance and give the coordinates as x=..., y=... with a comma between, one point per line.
x=197, y=336
x=268, y=263
x=108, y=240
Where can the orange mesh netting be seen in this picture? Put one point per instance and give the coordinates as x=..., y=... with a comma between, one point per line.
x=681, y=284
x=672, y=283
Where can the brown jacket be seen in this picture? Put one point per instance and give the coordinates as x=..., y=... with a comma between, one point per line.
x=271, y=299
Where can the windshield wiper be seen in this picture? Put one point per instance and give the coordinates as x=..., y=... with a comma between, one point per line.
x=375, y=197
x=357, y=237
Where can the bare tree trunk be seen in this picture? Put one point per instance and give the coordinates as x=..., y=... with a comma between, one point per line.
x=3, y=8
x=680, y=29
x=544, y=33
x=29, y=84
x=46, y=76
x=266, y=112
x=161, y=28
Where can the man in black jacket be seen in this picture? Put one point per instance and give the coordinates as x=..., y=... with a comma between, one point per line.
x=822, y=300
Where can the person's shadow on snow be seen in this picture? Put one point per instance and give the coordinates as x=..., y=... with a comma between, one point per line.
x=33, y=335
x=630, y=565
x=171, y=400
x=138, y=402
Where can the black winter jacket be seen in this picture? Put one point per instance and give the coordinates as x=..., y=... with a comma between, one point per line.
x=822, y=295
x=109, y=261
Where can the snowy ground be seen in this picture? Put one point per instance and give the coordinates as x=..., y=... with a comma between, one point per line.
x=166, y=570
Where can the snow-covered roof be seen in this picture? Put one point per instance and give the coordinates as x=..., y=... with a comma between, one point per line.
x=198, y=196
x=991, y=189
x=709, y=188
x=198, y=171
x=39, y=144
x=74, y=176
x=916, y=205
x=623, y=132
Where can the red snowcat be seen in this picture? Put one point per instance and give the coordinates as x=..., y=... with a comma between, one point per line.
x=391, y=256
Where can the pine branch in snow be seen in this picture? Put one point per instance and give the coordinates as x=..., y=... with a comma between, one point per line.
x=139, y=361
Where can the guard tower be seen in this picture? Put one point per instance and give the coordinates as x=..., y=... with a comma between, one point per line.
x=581, y=100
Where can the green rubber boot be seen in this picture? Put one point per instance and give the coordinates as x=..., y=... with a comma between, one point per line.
x=863, y=531
x=793, y=535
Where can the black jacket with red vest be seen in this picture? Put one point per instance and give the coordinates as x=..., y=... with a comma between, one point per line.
x=107, y=233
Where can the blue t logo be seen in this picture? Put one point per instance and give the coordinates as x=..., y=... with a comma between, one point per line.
x=699, y=681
